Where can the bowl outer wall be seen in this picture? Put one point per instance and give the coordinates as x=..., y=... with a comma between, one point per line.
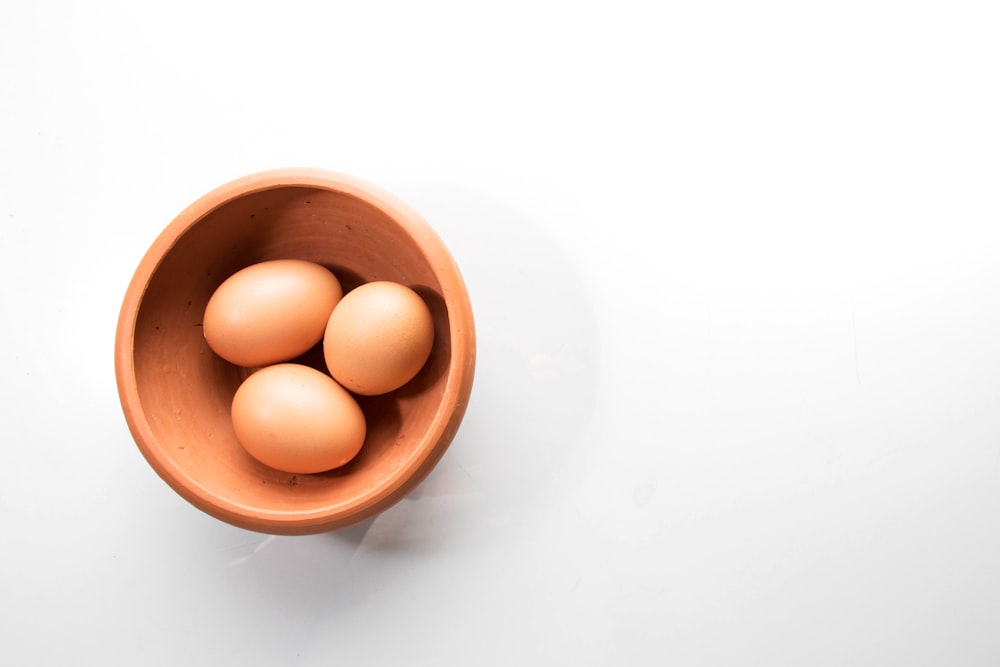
x=458, y=387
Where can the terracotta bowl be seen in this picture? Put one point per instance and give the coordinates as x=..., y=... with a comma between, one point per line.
x=176, y=393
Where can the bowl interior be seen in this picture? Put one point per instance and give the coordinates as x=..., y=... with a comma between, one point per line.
x=185, y=390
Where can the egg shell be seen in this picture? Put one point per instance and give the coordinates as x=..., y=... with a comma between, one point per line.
x=378, y=338
x=270, y=312
x=297, y=419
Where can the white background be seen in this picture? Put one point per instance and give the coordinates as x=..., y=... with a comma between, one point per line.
x=735, y=273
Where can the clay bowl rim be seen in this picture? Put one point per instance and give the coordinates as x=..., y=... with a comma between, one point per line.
x=434, y=442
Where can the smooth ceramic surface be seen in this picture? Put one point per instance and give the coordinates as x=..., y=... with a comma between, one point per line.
x=176, y=393
x=735, y=278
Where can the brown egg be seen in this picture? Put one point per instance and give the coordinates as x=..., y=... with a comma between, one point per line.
x=378, y=338
x=296, y=419
x=270, y=312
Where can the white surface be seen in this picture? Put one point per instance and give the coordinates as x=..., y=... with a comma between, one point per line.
x=735, y=275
